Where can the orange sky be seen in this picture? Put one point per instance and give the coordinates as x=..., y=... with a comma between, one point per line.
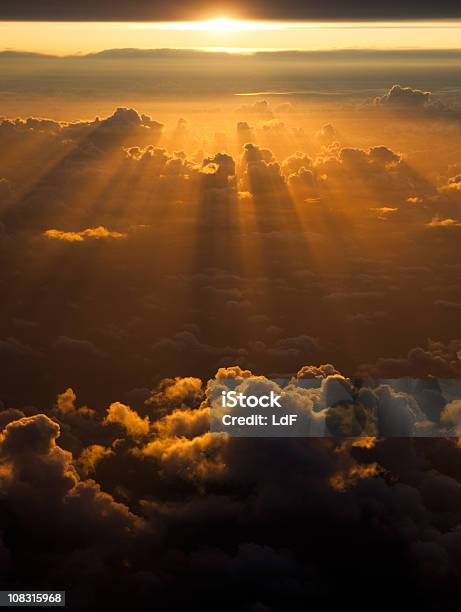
x=223, y=33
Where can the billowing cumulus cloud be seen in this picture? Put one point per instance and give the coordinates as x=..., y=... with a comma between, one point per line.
x=233, y=501
x=129, y=420
x=408, y=100
x=38, y=471
x=405, y=97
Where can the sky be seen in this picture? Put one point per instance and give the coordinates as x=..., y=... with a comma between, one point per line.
x=149, y=10
x=225, y=33
x=172, y=222
x=81, y=27
x=144, y=258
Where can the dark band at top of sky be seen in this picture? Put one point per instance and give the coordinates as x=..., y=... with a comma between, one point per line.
x=153, y=10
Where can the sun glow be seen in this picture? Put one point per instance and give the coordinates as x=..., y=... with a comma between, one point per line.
x=223, y=32
x=221, y=25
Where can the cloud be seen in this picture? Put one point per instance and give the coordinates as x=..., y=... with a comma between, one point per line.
x=191, y=206
x=110, y=358
x=260, y=108
x=9, y=415
x=260, y=172
x=123, y=124
x=294, y=163
x=176, y=392
x=312, y=372
x=407, y=100
x=30, y=434
x=66, y=401
x=454, y=183
x=297, y=346
x=118, y=129
x=437, y=222
x=186, y=342
x=397, y=412
x=66, y=509
x=210, y=503
x=327, y=135
x=303, y=182
x=404, y=97
x=437, y=359
x=184, y=423
x=91, y=456
x=76, y=347
x=94, y=233
x=123, y=415
x=179, y=457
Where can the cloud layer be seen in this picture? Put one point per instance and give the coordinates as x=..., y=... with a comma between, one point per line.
x=152, y=508
x=143, y=263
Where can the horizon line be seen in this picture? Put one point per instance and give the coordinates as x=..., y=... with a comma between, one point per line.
x=230, y=51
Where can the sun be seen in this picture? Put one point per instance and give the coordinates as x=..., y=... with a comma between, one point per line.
x=219, y=25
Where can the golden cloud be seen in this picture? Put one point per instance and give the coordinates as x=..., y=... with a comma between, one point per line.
x=90, y=233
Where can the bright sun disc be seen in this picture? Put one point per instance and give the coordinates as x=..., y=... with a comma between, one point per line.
x=219, y=24
x=223, y=24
